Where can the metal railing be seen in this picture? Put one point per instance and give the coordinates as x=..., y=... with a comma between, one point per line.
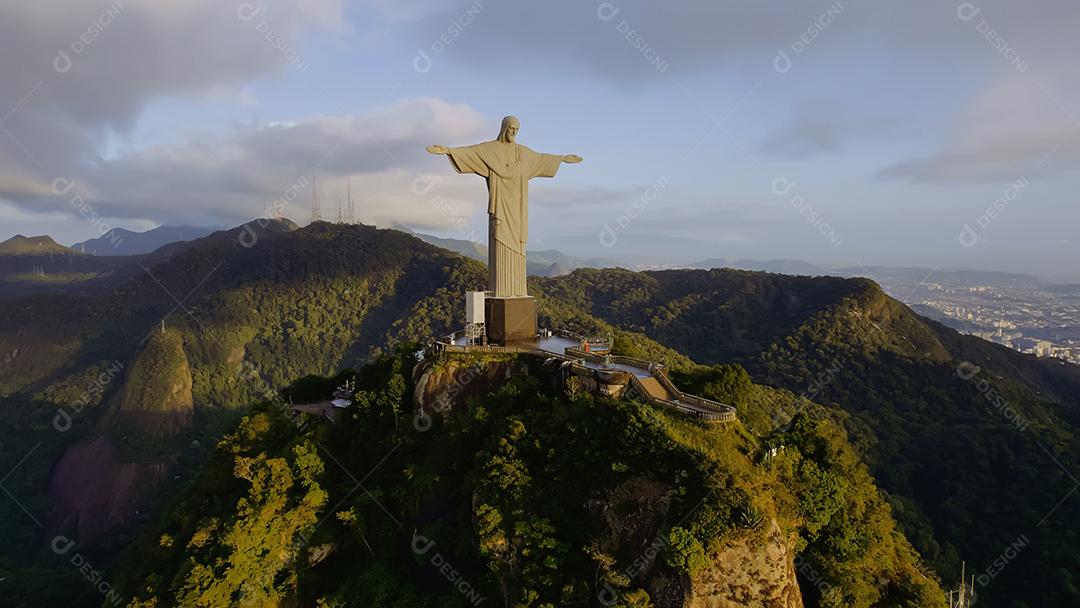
x=705, y=411
x=650, y=366
x=491, y=348
x=684, y=402
x=666, y=382
x=717, y=411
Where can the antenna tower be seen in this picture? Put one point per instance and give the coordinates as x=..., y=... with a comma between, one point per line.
x=351, y=210
x=316, y=213
x=964, y=597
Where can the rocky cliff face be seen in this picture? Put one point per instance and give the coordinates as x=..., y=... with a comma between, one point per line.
x=100, y=483
x=443, y=388
x=749, y=575
x=756, y=571
x=94, y=490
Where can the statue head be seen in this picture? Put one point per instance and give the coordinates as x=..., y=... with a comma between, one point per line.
x=509, y=129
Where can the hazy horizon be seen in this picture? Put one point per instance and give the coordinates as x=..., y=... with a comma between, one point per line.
x=857, y=268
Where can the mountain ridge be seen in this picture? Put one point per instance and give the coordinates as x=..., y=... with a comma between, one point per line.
x=261, y=305
x=120, y=241
x=932, y=411
x=20, y=245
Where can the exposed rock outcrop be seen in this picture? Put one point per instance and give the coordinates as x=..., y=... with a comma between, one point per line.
x=749, y=575
x=754, y=571
x=100, y=483
x=444, y=387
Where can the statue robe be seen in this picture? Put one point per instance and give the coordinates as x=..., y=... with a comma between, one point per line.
x=508, y=169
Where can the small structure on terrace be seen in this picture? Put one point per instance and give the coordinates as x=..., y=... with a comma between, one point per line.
x=589, y=365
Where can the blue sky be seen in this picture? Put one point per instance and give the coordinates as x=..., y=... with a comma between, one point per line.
x=895, y=127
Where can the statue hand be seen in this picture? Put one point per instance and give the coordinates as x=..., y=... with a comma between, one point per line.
x=437, y=149
x=571, y=158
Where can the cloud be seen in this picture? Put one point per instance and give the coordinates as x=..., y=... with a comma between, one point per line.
x=1016, y=127
x=121, y=56
x=116, y=59
x=75, y=72
x=821, y=127
x=625, y=42
x=629, y=61
x=805, y=137
x=618, y=41
x=231, y=177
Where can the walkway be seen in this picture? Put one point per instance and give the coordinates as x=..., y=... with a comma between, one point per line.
x=649, y=378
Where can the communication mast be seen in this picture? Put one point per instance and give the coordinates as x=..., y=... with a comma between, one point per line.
x=350, y=210
x=964, y=597
x=316, y=213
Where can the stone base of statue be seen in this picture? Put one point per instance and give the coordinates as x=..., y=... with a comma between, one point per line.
x=510, y=320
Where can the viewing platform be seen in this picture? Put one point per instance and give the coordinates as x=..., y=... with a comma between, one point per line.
x=612, y=374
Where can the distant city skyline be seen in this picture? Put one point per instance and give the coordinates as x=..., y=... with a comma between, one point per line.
x=935, y=134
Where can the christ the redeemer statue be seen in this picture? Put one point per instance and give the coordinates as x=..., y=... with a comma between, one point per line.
x=508, y=167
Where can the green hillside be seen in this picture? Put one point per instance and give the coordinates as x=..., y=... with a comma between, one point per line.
x=254, y=309
x=20, y=245
x=251, y=319
x=972, y=460
x=534, y=498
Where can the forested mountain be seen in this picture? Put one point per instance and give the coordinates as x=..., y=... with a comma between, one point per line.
x=241, y=310
x=20, y=245
x=521, y=495
x=101, y=397
x=30, y=265
x=975, y=444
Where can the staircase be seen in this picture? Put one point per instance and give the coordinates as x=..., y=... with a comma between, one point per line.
x=656, y=390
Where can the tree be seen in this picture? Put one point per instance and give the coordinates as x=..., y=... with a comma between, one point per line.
x=684, y=552
x=243, y=567
x=727, y=383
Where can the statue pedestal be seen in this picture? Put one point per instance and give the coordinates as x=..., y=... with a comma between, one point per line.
x=510, y=319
